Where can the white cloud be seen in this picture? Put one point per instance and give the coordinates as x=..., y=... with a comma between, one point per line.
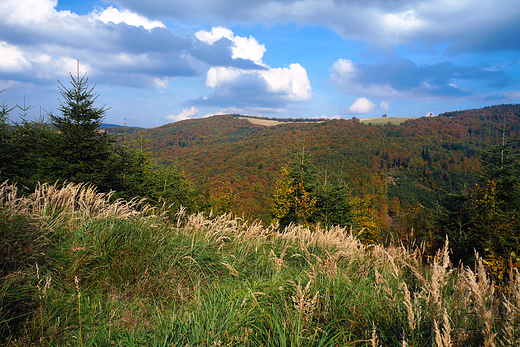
x=385, y=105
x=402, y=22
x=344, y=75
x=39, y=65
x=161, y=83
x=29, y=12
x=49, y=67
x=343, y=68
x=112, y=14
x=243, y=47
x=292, y=84
x=12, y=59
x=114, y=54
x=362, y=106
x=327, y=117
x=220, y=75
x=381, y=23
x=187, y=113
x=216, y=33
x=289, y=84
x=229, y=110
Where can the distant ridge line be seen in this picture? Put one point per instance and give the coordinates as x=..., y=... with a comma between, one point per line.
x=107, y=125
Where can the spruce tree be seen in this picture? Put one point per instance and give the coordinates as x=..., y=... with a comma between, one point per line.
x=300, y=198
x=6, y=155
x=333, y=205
x=485, y=216
x=83, y=148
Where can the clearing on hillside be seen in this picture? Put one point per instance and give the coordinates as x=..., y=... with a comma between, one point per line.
x=270, y=122
x=381, y=120
x=374, y=121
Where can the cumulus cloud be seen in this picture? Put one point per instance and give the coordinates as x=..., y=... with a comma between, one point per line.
x=291, y=84
x=362, y=106
x=120, y=46
x=385, y=105
x=482, y=26
x=12, y=58
x=113, y=15
x=229, y=110
x=261, y=85
x=327, y=117
x=343, y=68
x=26, y=12
x=242, y=47
x=402, y=78
x=217, y=76
x=187, y=113
x=40, y=43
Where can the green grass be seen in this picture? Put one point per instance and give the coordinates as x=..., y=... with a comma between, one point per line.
x=386, y=120
x=146, y=280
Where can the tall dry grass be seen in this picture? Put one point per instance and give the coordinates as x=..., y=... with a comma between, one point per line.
x=122, y=271
x=443, y=299
x=80, y=200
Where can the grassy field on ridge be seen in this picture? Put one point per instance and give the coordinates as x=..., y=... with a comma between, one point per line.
x=386, y=120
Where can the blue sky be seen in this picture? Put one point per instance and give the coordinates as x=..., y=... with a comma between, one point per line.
x=160, y=61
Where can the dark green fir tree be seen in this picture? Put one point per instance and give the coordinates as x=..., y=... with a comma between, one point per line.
x=83, y=148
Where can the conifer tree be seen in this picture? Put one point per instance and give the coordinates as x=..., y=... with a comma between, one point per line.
x=83, y=149
x=294, y=198
x=5, y=141
x=495, y=206
x=24, y=149
x=485, y=217
x=333, y=205
x=300, y=198
x=501, y=164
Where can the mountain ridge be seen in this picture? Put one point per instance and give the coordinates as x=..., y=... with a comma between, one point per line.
x=389, y=161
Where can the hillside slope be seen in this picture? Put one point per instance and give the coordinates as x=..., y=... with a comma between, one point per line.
x=414, y=161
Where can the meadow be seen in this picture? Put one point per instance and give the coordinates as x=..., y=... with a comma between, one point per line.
x=386, y=120
x=83, y=269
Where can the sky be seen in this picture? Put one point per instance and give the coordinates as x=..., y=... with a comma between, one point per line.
x=155, y=62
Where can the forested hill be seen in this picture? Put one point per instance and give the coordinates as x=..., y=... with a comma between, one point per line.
x=415, y=161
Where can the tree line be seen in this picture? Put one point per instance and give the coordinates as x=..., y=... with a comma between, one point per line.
x=72, y=147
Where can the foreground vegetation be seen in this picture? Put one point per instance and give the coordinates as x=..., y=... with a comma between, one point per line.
x=80, y=270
